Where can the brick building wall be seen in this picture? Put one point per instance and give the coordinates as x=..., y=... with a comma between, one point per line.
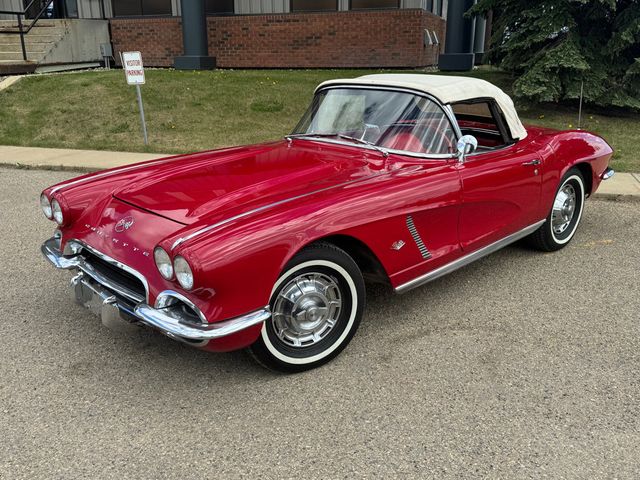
x=388, y=38
x=159, y=39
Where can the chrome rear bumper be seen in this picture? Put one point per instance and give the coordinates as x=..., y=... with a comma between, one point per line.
x=120, y=310
x=607, y=174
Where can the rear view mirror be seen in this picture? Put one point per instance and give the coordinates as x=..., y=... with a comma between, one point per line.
x=466, y=145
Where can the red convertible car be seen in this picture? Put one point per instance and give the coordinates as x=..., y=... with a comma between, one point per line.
x=388, y=178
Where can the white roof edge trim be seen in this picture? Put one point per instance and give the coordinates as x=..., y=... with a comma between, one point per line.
x=447, y=89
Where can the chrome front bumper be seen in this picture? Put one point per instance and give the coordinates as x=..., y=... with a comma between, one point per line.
x=120, y=310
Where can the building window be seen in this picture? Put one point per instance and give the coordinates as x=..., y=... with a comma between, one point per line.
x=313, y=5
x=71, y=8
x=438, y=7
x=128, y=8
x=218, y=7
x=374, y=4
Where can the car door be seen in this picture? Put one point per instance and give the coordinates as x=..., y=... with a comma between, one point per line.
x=501, y=180
x=427, y=192
x=500, y=194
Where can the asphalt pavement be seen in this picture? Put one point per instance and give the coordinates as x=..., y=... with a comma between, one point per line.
x=522, y=365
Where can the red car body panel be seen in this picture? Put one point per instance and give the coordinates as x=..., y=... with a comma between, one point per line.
x=209, y=187
x=253, y=208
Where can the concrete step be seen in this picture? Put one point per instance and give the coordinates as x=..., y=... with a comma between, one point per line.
x=40, y=25
x=43, y=22
x=31, y=47
x=39, y=41
x=36, y=28
x=33, y=34
x=42, y=41
x=34, y=56
x=9, y=39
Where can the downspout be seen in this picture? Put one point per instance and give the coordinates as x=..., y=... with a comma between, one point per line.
x=194, y=38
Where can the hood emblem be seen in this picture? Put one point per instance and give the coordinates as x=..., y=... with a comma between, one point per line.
x=124, y=224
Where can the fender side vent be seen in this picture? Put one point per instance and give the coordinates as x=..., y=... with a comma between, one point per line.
x=416, y=238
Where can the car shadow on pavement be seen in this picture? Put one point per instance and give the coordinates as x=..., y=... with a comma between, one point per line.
x=389, y=319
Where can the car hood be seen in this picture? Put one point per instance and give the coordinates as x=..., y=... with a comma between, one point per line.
x=212, y=183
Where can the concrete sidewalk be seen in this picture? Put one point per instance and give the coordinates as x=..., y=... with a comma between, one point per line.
x=623, y=186
x=67, y=159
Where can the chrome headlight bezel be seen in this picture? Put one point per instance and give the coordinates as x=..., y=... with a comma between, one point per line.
x=45, y=205
x=183, y=272
x=163, y=263
x=56, y=209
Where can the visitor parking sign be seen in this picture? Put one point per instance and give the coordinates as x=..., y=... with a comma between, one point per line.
x=133, y=69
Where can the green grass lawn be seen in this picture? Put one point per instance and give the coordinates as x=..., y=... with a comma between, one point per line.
x=191, y=111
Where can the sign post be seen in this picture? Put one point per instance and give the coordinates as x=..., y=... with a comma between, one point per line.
x=134, y=71
x=144, y=123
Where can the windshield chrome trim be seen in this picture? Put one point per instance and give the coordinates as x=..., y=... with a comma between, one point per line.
x=221, y=223
x=452, y=118
x=446, y=108
x=355, y=143
x=434, y=156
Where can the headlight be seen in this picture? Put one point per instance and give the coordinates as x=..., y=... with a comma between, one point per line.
x=45, y=204
x=183, y=273
x=163, y=262
x=57, y=212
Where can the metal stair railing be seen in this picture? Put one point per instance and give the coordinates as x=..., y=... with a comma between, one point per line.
x=19, y=15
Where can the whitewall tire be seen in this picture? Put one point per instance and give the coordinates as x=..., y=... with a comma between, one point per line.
x=316, y=307
x=565, y=215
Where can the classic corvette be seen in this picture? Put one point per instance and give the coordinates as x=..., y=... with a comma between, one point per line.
x=387, y=178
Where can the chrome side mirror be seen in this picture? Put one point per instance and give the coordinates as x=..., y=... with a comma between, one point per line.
x=466, y=145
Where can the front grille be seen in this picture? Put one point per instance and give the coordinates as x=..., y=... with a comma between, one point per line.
x=115, y=274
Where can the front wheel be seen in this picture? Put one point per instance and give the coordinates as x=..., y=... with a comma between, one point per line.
x=564, y=217
x=316, y=307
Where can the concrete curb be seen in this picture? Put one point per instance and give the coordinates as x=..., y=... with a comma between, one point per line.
x=613, y=197
x=52, y=168
x=7, y=82
x=621, y=187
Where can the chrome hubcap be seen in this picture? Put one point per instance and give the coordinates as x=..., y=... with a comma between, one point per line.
x=306, y=309
x=564, y=207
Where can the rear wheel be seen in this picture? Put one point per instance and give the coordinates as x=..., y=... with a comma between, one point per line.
x=564, y=217
x=316, y=307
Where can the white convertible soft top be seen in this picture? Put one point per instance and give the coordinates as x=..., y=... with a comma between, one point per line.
x=447, y=89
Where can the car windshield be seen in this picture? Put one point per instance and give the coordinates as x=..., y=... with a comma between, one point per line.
x=382, y=118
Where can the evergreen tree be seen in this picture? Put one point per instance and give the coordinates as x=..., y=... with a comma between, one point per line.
x=554, y=45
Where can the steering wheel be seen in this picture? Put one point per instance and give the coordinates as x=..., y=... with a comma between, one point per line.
x=442, y=133
x=427, y=132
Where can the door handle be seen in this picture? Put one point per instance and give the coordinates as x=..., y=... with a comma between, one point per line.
x=532, y=162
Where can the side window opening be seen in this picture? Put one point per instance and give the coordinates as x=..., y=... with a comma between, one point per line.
x=478, y=118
